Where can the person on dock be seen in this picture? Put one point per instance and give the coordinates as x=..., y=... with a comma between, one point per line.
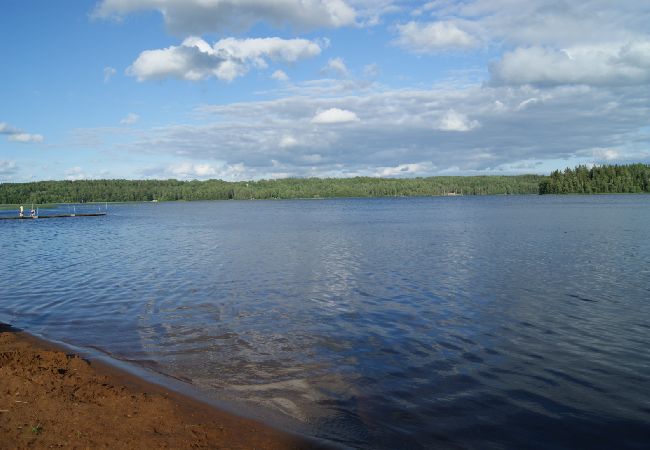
x=32, y=212
x=21, y=212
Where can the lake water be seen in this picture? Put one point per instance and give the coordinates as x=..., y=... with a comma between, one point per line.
x=465, y=322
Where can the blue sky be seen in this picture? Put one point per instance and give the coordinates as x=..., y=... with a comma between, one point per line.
x=250, y=89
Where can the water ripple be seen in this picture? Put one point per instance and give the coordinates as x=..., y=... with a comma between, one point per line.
x=511, y=322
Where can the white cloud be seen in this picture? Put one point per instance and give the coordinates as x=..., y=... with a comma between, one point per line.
x=226, y=60
x=607, y=154
x=75, y=173
x=26, y=138
x=455, y=121
x=15, y=135
x=7, y=167
x=288, y=141
x=335, y=115
x=611, y=64
x=411, y=126
x=188, y=171
x=109, y=72
x=547, y=23
x=205, y=16
x=4, y=128
x=371, y=70
x=413, y=169
x=336, y=66
x=130, y=119
x=313, y=158
x=280, y=75
x=433, y=37
x=594, y=42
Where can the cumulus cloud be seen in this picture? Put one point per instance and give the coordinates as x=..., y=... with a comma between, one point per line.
x=334, y=116
x=337, y=67
x=227, y=59
x=5, y=129
x=596, y=65
x=546, y=23
x=455, y=121
x=418, y=132
x=433, y=37
x=280, y=75
x=130, y=119
x=186, y=170
x=109, y=72
x=607, y=154
x=7, y=167
x=594, y=42
x=15, y=135
x=404, y=170
x=76, y=173
x=204, y=16
x=568, y=83
x=25, y=138
x=288, y=141
x=371, y=70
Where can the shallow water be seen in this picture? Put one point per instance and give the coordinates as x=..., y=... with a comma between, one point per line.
x=464, y=322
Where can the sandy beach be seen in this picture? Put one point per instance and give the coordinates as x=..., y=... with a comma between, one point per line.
x=52, y=399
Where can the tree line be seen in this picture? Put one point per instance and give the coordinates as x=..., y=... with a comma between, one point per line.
x=580, y=180
x=632, y=178
x=169, y=190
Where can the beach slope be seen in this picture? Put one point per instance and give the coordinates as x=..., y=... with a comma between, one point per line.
x=52, y=399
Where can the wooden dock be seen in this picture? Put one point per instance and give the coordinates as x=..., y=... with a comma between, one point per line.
x=53, y=216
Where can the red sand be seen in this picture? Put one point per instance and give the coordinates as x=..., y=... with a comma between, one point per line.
x=50, y=399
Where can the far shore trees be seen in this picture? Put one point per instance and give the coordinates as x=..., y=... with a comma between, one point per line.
x=633, y=178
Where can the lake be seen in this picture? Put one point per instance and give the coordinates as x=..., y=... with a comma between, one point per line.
x=445, y=322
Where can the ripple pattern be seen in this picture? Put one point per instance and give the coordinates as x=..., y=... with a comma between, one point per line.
x=489, y=322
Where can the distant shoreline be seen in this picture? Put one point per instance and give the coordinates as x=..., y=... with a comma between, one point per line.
x=611, y=179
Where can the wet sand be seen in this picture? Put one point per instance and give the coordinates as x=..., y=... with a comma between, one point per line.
x=53, y=399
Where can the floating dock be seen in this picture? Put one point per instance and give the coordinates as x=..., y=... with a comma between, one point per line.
x=53, y=216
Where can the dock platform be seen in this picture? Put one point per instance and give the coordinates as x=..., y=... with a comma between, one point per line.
x=53, y=216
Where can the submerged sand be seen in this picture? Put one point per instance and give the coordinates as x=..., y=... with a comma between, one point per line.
x=52, y=399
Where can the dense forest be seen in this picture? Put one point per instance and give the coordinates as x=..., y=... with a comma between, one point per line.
x=165, y=190
x=580, y=180
x=599, y=179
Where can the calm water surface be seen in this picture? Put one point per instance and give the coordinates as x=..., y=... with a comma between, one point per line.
x=470, y=322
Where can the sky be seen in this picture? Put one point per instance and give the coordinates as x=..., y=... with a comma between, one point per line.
x=261, y=89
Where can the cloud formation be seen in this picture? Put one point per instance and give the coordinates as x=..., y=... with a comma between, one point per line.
x=130, y=119
x=455, y=121
x=336, y=66
x=7, y=167
x=76, y=173
x=593, y=42
x=543, y=22
x=280, y=75
x=109, y=72
x=335, y=115
x=227, y=59
x=567, y=81
x=410, y=132
x=433, y=37
x=16, y=135
x=595, y=65
x=197, y=171
x=195, y=17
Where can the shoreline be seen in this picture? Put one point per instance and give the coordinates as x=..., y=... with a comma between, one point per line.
x=50, y=397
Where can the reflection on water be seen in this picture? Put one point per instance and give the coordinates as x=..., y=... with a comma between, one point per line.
x=384, y=323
